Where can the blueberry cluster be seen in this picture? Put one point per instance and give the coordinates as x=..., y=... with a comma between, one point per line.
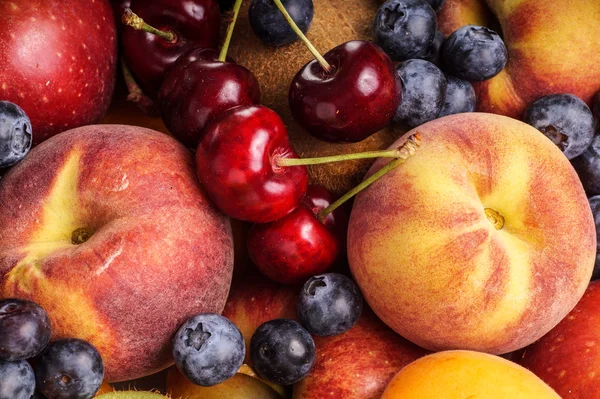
x=32, y=364
x=209, y=349
x=283, y=350
x=434, y=72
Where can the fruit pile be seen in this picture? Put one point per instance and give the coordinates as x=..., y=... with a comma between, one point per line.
x=459, y=264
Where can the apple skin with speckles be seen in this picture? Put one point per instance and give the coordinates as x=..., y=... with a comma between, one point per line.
x=109, y=230
x=567, y=358
x=463, y=246
x=255, y=299
x=357, y=364
x=58, y=61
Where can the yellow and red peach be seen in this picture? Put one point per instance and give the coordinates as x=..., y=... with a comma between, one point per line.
x=109, y=230
x=551, y=49
x=483, y=239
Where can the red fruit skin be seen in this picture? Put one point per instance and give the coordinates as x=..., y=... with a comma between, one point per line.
x=199, y=89
x=195, y=22
x=234, y=161
x=358, y=99
x=568, y=357
x=298, y=246
x=58, y=61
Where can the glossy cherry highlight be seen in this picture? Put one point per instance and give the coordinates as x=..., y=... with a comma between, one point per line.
x=171, y=28
x=300, y=245
x=349, y=104
x=235, y=165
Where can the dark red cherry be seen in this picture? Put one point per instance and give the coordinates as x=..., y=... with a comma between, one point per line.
x=298, y=246
x=356, y=99
x=199, y=89
x=236, y=164
x=119, y=7
x=195, y=23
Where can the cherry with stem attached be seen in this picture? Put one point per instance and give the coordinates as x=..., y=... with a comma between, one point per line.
x=162, y=30
x=346, y=95
x=300, y=245
x=250, y=171
x=201, y=86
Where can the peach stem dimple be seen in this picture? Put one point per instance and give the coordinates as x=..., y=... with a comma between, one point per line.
x=81, y=235
x=495, y=218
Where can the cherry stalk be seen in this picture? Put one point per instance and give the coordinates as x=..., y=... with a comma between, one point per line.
x=345, y=95
x=405, y=151
x=133, y=20
x=324, y=64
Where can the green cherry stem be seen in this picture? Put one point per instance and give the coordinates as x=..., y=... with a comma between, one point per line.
x=280, y=161
x=225, y=48
x=324, y=64
x=136, y=95
x=407, y=150
x=132, y=19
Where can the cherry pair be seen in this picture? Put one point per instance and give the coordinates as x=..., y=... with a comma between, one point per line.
x=250, y=172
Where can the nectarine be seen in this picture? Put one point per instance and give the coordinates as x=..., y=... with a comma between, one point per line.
x=109, y=230
x=483, y=239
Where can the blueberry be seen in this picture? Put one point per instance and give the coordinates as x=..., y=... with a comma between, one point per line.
x=435, y=4
x=460, y=97
x=208, y=349
x=434, y=51
x=16, y=380
x=24, y=329
x=595, y=205
x=423, y=90
x=269, y=24
x=405, y=29
x=587, y=166
x=329, y=304
x=474, y=53
x=69, y=369
x=596, y=110
x=565, y=119
x=15, y=134
x=282, y=351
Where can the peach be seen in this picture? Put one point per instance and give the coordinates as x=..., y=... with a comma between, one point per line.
x=466, y=374
x=109, y=230
x=551, y=49
x=483, y=239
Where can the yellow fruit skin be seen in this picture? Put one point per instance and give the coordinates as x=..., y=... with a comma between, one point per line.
x=425, y=250
x=466, y=375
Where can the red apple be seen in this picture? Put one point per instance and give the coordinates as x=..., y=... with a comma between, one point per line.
x=357, y=364
x=254, y=299
x=58, y=61
x=568, y=357
x=107, y=228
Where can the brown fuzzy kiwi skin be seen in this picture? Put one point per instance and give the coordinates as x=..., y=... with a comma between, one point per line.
x=132, y=395
x=335, y=22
